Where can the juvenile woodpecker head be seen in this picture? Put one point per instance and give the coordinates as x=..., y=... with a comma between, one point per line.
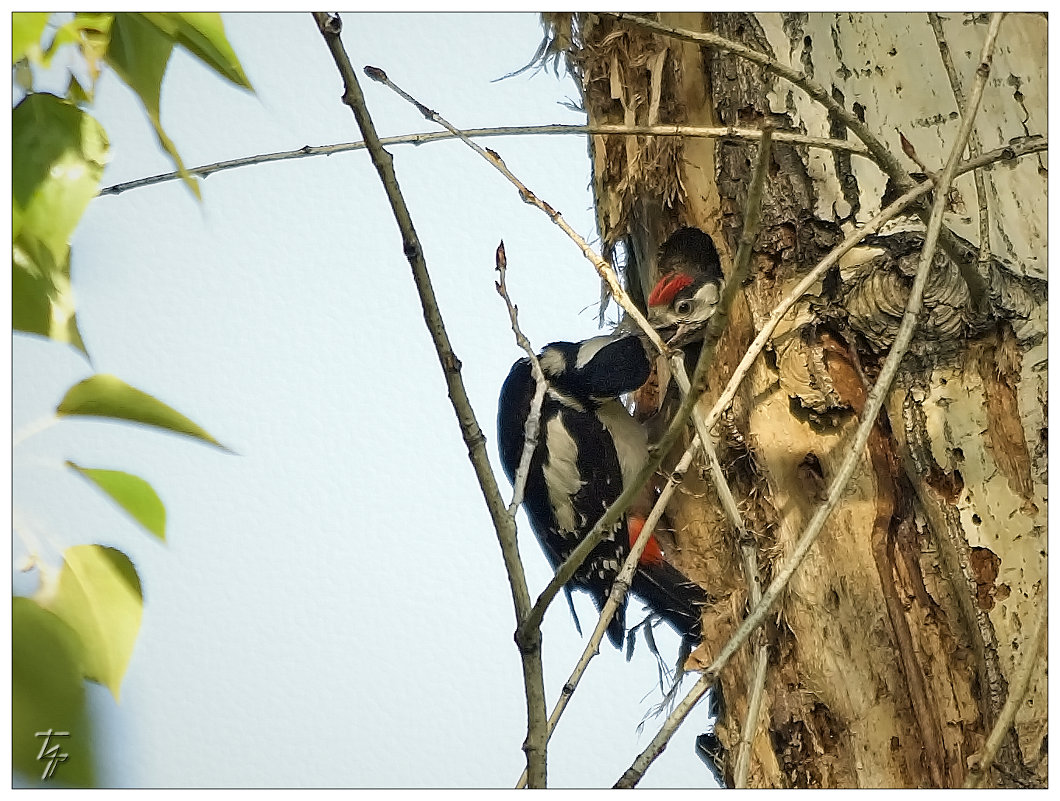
x=685, y=297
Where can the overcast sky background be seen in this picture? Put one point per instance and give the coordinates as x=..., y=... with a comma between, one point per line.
x=331, y=607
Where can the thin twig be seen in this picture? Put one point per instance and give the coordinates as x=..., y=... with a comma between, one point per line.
x=757, y=685
x=605, y=270
x=32, y=429
x=748, y=546
x=1016, y=693
x=533, y=419
x=504, y=523
x=748, y=235
x=690, y=131
x=619, y=590
x=633, y=775
x=974, y=146
x=854, y=452
x=749, y=554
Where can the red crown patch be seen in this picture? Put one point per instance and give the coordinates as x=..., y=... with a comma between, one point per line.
x=667, y=288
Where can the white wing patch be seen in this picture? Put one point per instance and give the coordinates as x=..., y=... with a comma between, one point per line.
x=552, y=362
x=629, y=437
x=561, y=472
x=589, y=348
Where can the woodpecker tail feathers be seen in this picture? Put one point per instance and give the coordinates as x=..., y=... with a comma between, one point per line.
x=672, y=596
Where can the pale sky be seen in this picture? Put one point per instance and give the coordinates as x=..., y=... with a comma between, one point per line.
x=331, y=607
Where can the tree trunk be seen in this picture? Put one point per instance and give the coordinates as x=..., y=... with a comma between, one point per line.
x=892, y=651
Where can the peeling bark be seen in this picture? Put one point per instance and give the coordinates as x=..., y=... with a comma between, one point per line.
x=893, y=649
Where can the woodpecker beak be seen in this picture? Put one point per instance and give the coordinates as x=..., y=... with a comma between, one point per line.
x=685, y=333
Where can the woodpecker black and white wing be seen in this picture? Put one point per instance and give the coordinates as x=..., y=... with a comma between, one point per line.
x=596, y=369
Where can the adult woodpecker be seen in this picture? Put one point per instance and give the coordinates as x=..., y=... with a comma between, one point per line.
x=588, y=450
x=686, y=295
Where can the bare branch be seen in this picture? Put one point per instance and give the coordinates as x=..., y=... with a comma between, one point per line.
x=529, y=644
x=630, y=778
x=748, y=235
x=690, y=131
x=854, y=452
x=533, y=419
x=605, y=270
x=757, y=685
x=974, y=146
x=748, y=546
x=1017, y=691
x=619, y=590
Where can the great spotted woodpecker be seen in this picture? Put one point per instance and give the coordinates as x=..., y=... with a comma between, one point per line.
x=588, y=450
x=687, y=293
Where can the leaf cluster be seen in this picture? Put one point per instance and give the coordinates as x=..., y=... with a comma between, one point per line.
x=83, y=620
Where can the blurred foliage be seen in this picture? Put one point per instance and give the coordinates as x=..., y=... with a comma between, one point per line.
x=83, y=621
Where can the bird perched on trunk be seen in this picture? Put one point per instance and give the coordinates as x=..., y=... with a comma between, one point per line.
x=588, y=450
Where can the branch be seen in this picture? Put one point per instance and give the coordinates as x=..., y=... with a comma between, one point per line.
x=693, y=389
x=873, y=404
x=974, y=146
x=529, y=645
x=748, y=547
x=605, y=270
x=691, y=131
x=757, y=685
x=1016, y=693
x=702, y=439
x=749, y=553
x=619, y=590
x=533, y=419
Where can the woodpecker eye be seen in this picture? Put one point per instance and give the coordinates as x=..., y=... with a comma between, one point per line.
x=683, y=307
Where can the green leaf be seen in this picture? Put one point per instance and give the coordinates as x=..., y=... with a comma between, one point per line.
x=100, y=598
x=89, y=31
x=92, y=33
x=26, y=30
x=48, y=693
x=139, y=53
x=58, y=153
x=41, y=299
x=203, y=34
x=132, y=494
x=108, y=396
